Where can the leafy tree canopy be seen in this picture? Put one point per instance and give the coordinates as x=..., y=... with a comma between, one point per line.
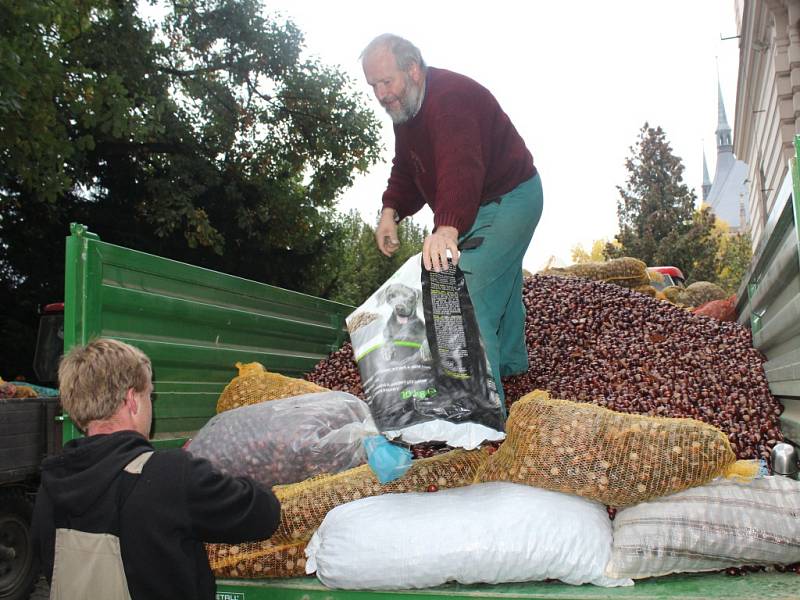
x=735, y=254
x=362, y=268
x=195, y=130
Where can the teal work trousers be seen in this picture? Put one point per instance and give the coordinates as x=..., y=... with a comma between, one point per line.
x=493, y=272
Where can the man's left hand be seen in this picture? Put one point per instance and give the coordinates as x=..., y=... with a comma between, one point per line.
x=434, y=250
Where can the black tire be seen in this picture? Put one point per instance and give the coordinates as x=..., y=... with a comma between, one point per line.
x=19, y=568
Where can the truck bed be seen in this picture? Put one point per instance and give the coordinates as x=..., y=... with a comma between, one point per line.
x=696, y=586
x=195, y=324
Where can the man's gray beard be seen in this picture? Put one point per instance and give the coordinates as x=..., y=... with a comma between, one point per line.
x=409, y=104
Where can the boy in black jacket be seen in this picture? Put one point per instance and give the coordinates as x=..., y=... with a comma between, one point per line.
x=114, y=519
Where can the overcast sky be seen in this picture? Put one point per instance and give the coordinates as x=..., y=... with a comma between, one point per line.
x=578, y=79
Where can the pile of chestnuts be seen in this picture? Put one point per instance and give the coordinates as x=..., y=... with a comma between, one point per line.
x=598, y=342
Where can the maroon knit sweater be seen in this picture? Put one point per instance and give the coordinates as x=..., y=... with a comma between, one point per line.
x=459, y=151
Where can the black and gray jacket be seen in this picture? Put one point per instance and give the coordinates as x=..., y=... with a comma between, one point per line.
x=161, y=516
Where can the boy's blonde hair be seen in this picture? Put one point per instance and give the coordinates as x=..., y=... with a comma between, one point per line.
x=94, y=379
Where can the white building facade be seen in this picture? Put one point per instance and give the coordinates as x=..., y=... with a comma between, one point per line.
x=767, y=105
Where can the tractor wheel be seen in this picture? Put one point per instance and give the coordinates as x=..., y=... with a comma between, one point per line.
x=19, y=570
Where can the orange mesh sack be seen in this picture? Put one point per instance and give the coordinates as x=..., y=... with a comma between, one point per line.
x=257, y=560
x=255, y=384
x=701, y=292
x=616, y=458
x=305, y=504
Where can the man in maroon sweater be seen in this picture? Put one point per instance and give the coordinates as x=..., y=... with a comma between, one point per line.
x=457, y=151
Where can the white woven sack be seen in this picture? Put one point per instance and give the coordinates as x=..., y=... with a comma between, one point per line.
x=710, y=527
x=486, y=533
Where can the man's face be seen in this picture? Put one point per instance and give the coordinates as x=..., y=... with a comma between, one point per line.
x=398, y=91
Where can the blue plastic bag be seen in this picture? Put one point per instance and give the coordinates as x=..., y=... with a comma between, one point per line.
x=387, y=460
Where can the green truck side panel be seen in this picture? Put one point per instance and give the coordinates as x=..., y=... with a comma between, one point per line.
x=770, y=301
x=700, y=586
x=195, y=324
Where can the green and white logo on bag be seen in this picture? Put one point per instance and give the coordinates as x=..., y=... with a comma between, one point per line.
x=427, y=393
x=230, y=596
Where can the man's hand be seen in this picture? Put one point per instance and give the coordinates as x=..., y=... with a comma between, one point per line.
x=386, y=233
x=434, y=250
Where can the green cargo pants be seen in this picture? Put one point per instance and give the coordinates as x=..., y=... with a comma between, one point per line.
x=493, y=271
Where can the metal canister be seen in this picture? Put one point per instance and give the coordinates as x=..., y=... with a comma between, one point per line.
x=784, y=460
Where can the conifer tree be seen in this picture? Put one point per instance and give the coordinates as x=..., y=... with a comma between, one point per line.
x=658, y=223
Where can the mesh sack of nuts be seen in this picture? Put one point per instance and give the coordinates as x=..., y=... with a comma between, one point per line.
x=255, y=384
x=257, y=560
x=288, y=440
x=649, y=290
x=305, y=504
x=673, y=294
x=701, y=292
x=616, y=458
x=626, y=271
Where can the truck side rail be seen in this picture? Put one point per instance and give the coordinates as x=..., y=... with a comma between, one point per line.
x=195, y=325
x=769, y=302
x=29, y=432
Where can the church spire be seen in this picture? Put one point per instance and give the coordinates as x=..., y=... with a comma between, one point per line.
x=706, y=179
x=723, y=129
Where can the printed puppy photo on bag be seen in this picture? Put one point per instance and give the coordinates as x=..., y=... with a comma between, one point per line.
x=393, y=325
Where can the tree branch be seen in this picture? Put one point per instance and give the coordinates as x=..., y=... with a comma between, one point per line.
x=118, y=147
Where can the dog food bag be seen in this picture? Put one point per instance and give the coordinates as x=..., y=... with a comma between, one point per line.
x=422, y=362
x=288, y=440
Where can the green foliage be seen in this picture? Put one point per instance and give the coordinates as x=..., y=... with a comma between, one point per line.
x=693, y=249
x=196, y=131
x=736, y=251
x=657, y=220
x=363, y=269
x=34, y=87
x=596, y=254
